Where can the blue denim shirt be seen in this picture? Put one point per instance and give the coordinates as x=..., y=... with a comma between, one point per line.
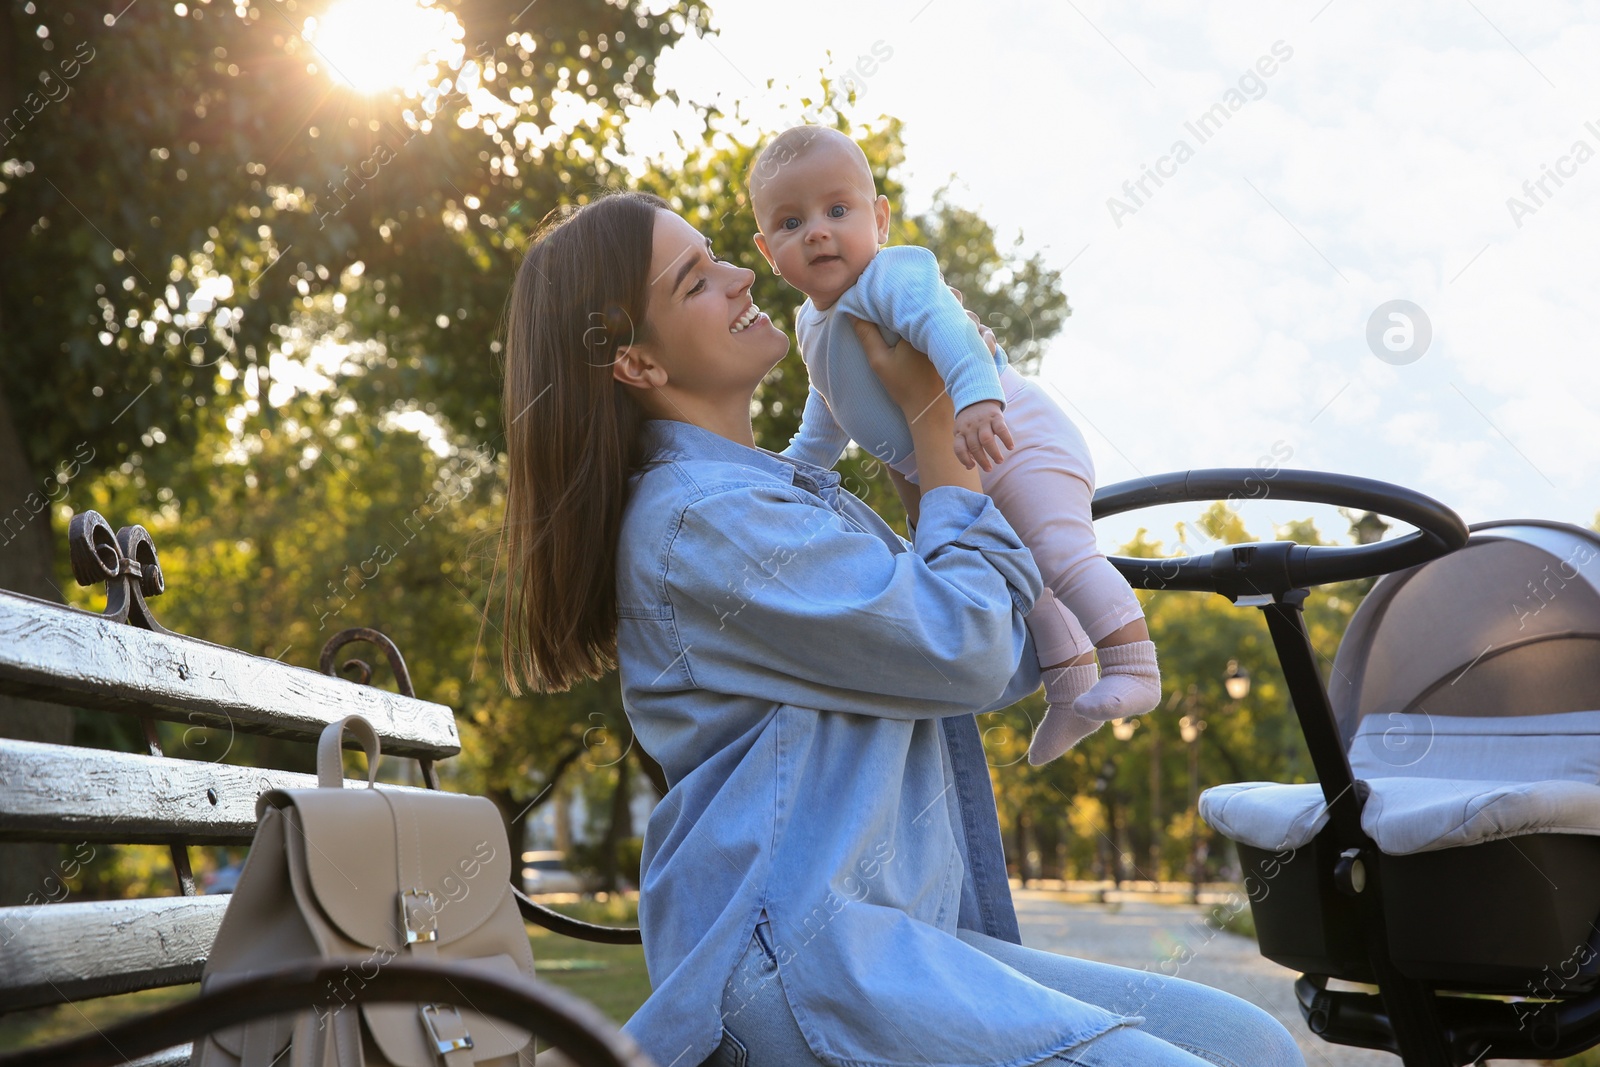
x=808, y=681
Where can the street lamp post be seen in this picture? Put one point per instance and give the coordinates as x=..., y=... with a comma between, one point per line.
x=1104, y=783
x=1190, y=727
x=1237, y=684
x=1157, y=828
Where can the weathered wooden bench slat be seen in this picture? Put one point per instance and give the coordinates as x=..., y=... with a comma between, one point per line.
x=90, y=794
x=72, y=951
x=82, y=659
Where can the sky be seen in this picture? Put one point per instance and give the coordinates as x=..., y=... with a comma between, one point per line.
x=1241, y=311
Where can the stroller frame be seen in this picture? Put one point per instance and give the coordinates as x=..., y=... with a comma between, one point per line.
x=1406, y=1016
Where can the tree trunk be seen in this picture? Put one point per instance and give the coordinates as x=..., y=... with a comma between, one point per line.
x=517, y=834
x=27, y=565
x=514, y=813
x=515, y=810
x=564, y=824
x=1048, y=834
x=621, y=826
x=1022, y=847
x=26, y=549
x=652, y=770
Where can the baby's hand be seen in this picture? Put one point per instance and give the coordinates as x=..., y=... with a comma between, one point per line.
x=980, y=430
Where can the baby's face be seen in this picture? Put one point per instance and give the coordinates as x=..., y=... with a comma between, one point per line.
x=820, y=222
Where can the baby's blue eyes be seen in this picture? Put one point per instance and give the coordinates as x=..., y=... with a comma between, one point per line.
x=837, y=211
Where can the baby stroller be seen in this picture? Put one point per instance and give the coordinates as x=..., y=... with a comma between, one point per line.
x=1450, y=852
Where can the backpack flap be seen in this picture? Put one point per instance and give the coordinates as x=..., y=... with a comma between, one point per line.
x=439, y=861
x=346, y=851
x=442, y=863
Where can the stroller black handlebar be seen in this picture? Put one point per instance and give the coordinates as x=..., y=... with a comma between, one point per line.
x=1277, y=566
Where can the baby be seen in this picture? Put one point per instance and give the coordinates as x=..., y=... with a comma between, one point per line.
x=822, y=227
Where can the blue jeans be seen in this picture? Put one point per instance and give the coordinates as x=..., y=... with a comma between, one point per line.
x=1186, y=1024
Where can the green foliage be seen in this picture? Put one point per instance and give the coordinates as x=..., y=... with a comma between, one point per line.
x=146, y=210
x=1019, y=298
x=588, y=857
x=1222, y=523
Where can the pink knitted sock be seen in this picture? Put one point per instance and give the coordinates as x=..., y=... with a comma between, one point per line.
x=1062, y=727
x=1130, y=683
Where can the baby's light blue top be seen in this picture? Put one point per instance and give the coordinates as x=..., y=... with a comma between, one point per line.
x=807, y=681
x=902, y=291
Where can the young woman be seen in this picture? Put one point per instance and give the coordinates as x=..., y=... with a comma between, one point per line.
x=824, y=881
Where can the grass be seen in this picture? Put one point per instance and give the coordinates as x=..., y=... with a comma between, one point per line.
x=39, y=1026
x=619, y=984
x=611, y=977
x=1241, y=922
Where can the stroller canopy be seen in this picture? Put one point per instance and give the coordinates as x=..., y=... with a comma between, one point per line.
x=1467, y=690
x=1509, y=624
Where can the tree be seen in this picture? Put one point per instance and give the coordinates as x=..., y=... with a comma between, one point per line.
x=319, y=515
x=178, y=181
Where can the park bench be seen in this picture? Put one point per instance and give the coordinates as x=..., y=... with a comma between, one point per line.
x=124, y=662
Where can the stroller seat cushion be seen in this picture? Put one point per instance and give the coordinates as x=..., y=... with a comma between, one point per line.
x=1437, y=781
x=1268, y=815
x=1406, y=815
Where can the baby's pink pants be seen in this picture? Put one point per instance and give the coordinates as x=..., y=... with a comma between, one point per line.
x=1044, y=489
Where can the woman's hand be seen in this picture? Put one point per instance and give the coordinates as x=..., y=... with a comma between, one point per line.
x=909, y=375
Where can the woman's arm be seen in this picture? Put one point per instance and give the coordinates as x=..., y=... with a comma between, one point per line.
x=907, y=377
x=913, y=383
x=774, y=594
x=910, y=497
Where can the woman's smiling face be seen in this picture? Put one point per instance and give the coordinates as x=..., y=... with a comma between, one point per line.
x=703, y=331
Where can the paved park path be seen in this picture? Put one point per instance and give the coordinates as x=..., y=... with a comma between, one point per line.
x=1143, y=935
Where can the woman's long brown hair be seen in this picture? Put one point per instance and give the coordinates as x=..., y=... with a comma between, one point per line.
x=571, y=436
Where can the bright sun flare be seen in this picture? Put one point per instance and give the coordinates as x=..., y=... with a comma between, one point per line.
x=378, y=44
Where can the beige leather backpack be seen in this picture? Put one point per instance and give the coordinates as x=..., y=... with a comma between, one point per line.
x=367, y=876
